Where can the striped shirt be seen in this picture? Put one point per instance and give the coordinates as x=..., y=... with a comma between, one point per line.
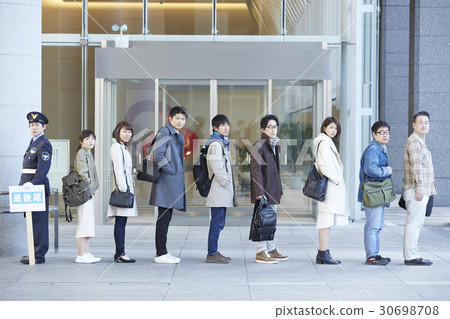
x=418, y=166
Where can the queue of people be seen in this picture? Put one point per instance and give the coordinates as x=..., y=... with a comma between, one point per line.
x=169, y=192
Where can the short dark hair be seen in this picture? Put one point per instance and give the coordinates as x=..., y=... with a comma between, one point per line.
x=84, y=134
x=218, y=120
x=266, y=120
x=327, y=122
x=422, y=113
x=177, y=110
x=379, y=124
x=119, y=126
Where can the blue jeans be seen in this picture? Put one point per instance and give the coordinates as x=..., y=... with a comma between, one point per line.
x=216, y=224
x=374, y=224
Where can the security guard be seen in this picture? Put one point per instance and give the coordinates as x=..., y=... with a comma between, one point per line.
x=36, y=164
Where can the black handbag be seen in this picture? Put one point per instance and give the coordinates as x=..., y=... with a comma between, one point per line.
x=150, y=169
x=315, y=185
x=429, y=210
x=118, y=198
x=264, y=221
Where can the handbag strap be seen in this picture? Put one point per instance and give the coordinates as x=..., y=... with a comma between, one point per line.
x=124, y=171
x=317, y=150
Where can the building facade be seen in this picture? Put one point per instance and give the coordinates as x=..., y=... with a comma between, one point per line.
x=301, y=60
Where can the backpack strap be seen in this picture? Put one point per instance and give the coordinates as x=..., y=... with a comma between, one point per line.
x=68, y=214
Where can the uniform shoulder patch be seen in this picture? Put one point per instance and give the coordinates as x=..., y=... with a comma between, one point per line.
x=45, y=156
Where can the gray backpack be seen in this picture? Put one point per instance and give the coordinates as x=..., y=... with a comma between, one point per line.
x=75, y=192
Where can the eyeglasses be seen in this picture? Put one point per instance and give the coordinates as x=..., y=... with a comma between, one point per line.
x=271, y=127
x=384, y=132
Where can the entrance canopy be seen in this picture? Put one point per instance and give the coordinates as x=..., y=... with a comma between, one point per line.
x=215, y=60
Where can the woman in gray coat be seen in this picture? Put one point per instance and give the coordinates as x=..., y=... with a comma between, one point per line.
x=85, y=166
x=170, y=191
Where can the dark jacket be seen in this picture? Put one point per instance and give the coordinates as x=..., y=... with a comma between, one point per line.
x=168, y=153
x=265, y=171
x=38, y=156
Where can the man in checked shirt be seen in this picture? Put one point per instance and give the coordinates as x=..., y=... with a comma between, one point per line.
x=418, y=186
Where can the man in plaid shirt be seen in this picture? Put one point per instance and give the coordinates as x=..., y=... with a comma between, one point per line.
x=418, y=186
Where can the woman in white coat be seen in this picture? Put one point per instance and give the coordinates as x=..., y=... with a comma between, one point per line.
x=120, y=157
x=334, y=210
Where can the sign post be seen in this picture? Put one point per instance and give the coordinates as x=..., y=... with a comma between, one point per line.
x=30, y=199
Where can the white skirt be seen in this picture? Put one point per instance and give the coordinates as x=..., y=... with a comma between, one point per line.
x=325, y=220
x=86, y=219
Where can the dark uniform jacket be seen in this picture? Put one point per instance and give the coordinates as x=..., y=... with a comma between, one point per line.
x=265, y=171
x=38, y=156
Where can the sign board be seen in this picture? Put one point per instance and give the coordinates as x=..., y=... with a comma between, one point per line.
x=23, y=199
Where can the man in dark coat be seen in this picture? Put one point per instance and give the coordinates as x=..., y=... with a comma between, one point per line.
x=266, y=181
x=36, y=164
x=170, y=191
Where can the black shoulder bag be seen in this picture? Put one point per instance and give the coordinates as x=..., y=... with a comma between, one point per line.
x=315, y=185
x=118, y=198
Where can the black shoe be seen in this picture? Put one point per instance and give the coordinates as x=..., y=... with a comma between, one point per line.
x=378, y=260
x=125, y=261
x=27, y=261
x=418, y=262
x=324, y=257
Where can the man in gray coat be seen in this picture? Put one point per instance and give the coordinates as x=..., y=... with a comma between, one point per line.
x=222, y=194
x=266, y=181
x=170, y=191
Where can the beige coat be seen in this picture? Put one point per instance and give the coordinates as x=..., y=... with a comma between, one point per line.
x=118, y=171
x=328, y=163
x=221, y=193
x=85, y=166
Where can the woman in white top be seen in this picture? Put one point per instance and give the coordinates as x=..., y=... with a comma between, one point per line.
x=85, y=166
x=120, y=157
x=334, y=210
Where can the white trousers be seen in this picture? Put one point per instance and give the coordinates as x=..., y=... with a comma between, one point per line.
x=414, y=222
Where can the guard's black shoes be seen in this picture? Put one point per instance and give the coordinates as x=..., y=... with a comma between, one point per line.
x=26, y=261
x=418, y=262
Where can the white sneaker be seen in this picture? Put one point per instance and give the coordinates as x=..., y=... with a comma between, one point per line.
x=95, y=259
x=85, y=259
x=167, y=259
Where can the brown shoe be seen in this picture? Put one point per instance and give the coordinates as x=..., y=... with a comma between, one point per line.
x=224, y=256
x=264, y=258
x=217, y=258
x=277, y=255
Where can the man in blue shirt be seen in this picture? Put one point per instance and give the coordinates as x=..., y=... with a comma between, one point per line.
x=375, y=166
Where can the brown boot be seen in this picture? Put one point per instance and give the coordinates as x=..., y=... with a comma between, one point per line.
x=277, y=255
x=264, y=258
x=217, y=258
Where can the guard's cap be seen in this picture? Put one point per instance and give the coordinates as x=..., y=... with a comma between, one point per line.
x=37, y=117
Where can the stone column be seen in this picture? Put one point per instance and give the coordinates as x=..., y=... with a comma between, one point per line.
x=429, y=82
x=20, y=93
x=394, y=68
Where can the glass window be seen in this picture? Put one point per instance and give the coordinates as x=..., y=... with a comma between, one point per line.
x=180, y=17
x=243, y=104
x=102, y=15
x=293, y=104
x=61, y=93
x=195, y=97
x=318, y=17
x=60, y=16
x=253, y=17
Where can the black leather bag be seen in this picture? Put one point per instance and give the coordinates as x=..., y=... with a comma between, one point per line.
x=264, y=221
x=122, y=199
x=315, y=185
x=402, y=204
x=118, y=198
